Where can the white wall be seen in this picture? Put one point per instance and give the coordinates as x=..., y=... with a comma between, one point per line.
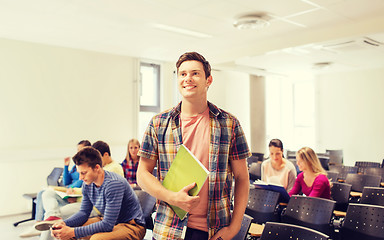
x=51, y=98
x=350, y=114
x=230, y=92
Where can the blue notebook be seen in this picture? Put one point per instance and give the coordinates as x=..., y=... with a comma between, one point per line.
x=284, y=196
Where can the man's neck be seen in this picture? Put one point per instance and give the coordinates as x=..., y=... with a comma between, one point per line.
x=99, y=181
x=107, y=161
x=193, y=108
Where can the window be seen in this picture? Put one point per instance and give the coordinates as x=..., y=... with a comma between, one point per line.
x=304, y=113
x=149, y=90
x=290, y=111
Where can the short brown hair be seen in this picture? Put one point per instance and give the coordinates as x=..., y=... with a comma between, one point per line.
x=194, y=56
x=88, y=155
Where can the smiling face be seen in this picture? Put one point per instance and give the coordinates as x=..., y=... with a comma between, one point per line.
x=303, y=166
x=192, y=81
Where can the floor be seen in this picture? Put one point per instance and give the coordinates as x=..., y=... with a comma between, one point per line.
x=9, y=232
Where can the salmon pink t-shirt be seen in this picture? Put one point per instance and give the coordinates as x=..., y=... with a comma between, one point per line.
x=196, y=137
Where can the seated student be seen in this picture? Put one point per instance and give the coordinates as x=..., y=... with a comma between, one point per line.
x=120, y=217
x=312, y=181
x=277, y=169
x=54, y=212
x=71, y=177
x=131, y=162
x=70, y=180
x=108, y=163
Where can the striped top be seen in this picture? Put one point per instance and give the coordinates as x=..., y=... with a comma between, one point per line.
x=115, y=200
x=227, y=142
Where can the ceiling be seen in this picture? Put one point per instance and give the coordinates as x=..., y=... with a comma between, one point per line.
x=298, y=36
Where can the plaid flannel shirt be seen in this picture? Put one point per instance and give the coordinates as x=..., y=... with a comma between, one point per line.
x=130, y=169
x=227, y=142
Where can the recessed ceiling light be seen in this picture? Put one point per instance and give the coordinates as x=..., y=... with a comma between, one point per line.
x=252, y=21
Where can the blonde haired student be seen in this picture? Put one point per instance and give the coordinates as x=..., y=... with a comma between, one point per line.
x=312, y=181
x=131, y=162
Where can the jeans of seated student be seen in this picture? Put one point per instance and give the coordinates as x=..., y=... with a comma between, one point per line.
x=40, y=211
x=52, y=203
x=39, y=215
x=46, y=235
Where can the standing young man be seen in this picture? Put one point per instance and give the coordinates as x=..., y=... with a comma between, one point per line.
x=120, y=213
x=216, y=138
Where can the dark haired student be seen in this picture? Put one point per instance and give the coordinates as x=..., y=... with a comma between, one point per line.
x=120, y=214
x=277, y=169
x=216, y=138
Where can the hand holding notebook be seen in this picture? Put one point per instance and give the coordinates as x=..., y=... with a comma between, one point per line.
x=184, y=200
x=185, y=170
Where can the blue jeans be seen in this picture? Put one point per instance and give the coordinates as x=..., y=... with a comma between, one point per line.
x=40, y=211
x=39, y=216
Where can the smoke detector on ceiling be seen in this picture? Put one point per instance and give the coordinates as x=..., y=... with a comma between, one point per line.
x=252, y=21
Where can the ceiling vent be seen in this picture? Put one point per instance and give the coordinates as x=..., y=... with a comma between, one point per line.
x=353, y=45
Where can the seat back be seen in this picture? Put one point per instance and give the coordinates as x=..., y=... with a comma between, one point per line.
x=54, y=178
x=324, y=160
x=259, y=156
x=335, y=157
x=251, y=160
x=283, y=231
x=343, y=170
x=363, y=222
x=262, y=205
x=245, y=224
x=359, y=181
x=362, y=165
x=291, y=155
x=147, y=203
x=255, y=171
x=340, y=193
x=309, y=212
x=332, y=176
x=373, y=196
x=374, y=171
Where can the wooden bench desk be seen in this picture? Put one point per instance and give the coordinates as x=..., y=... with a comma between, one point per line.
x=256, y=230
x=339, y=213
x=356, y=194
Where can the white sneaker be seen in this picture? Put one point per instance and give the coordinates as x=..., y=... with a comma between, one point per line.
x=32, y=232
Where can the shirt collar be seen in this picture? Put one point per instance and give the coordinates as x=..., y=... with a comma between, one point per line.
x=215, y=111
